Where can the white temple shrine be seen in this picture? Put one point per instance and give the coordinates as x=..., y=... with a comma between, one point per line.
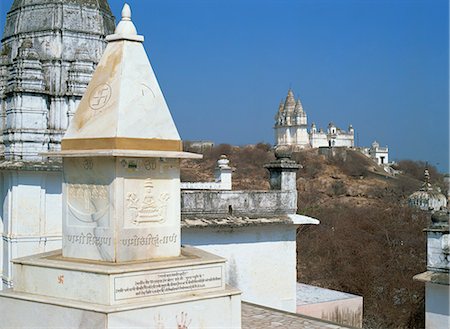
x=291, y=129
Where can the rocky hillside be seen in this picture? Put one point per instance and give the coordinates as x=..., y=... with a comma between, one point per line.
x=368, y=243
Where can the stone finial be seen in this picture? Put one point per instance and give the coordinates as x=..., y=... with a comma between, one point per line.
x=125, y=30
x=223, y=172
x=126, y=12
x=282, y=171
x=440, y=218
x=426, y=176
x=223, y=161
x=126, y=26
x=283, y=152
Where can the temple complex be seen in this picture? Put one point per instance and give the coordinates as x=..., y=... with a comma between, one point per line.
x=291, y=129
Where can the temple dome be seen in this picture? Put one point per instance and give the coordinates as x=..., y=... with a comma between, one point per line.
x=428, y=197
x=91, y=17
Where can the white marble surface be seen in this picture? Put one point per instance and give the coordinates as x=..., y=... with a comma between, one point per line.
x=122, y=92
x=438, y=251
x=24, y=314
x=203, y=311
x=112, y=284
x=123, y=153
x=121, y=209
x=261, y=260
x=216, y=313
x=30, y=216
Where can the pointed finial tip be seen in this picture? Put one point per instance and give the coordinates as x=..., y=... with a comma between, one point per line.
x=126, y=12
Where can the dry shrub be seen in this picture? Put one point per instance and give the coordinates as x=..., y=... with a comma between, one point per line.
x=372, y=249
x=247, y=163
x=338, y=188
x=369, y=251
x=311, y=162
x=354, y=164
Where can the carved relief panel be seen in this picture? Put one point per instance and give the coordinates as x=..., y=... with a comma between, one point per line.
x=87, y=191
x=150, y=192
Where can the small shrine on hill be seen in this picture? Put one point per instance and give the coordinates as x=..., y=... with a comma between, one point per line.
x=121, y=264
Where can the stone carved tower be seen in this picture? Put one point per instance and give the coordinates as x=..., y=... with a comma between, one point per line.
x=291, y=124
x=48, y=54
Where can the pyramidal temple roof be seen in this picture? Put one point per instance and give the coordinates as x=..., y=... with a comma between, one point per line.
x=123, y=107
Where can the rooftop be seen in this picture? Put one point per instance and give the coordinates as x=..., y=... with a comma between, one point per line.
x=256, y=316
x=307, y=294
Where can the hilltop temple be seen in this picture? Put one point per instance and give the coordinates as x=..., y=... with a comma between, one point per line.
x=291, y=129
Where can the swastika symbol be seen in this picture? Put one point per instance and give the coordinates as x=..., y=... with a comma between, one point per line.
x=100, y=96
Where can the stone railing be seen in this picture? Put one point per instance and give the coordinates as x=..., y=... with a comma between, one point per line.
x=239, y=203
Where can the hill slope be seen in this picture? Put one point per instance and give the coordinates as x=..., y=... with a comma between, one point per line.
x=368, y=243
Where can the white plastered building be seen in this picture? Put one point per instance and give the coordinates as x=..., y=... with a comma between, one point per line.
x=379, y=154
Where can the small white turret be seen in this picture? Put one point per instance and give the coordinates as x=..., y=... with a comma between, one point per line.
x=223, y=173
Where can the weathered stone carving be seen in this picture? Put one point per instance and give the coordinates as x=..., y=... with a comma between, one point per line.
x=46, y=63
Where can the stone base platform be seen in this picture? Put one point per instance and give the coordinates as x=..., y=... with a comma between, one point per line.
x=185, y=292
x=51, y=275
x=205, y=310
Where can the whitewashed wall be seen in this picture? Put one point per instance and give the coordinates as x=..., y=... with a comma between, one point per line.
x=262, y=260
x=31, y=215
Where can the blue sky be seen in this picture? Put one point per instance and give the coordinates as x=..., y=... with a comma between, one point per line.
x=381, y=65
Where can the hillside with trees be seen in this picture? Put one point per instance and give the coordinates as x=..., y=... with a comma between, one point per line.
x=369, y=242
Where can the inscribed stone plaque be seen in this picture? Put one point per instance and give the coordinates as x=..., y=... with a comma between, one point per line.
x=167, y=282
